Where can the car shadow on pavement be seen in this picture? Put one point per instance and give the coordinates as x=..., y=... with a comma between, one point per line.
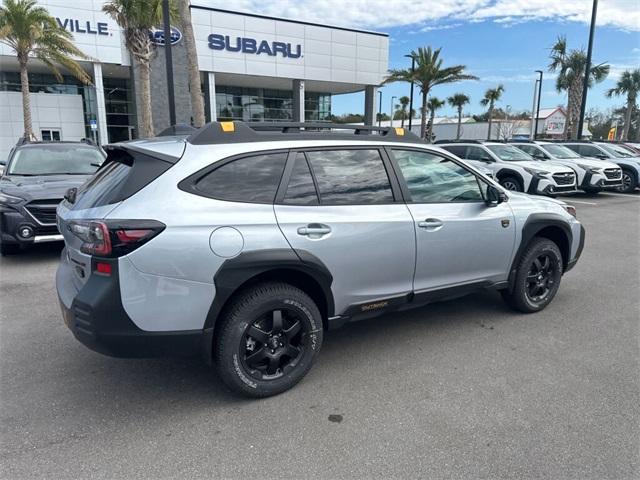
x=35, y=253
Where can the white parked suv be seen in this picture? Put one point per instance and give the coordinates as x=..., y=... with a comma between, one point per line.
x=626, y=160
x=514, y=169
x=592, y=175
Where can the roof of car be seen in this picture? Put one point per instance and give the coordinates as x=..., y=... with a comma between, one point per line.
x=245, y=132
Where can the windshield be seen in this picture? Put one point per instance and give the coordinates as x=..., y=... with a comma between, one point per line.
x=509, y=153
x=56, y=160
x=560, y=151
x=617, y=151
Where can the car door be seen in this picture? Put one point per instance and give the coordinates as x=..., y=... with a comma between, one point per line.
x=339, y=205
x=459, y=238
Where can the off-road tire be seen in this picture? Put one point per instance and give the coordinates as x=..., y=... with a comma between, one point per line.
x=504, y=181
x=230, y=343
x=520, y=298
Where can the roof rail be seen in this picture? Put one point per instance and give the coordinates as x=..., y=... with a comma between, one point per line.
x=240, y=132
x=460, y=140
x=178, y=129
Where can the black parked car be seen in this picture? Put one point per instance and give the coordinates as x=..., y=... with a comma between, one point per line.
x=35, y=178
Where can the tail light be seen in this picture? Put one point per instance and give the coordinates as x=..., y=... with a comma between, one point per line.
x=114, y=238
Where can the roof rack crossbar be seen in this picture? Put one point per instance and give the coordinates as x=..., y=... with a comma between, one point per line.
x=220, y=132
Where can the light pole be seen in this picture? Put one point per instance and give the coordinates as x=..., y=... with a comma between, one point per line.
x=413, y=68
x=392, y=99
x=587, y=69
x=168, y=62
x=380, y=108
x=535, y=131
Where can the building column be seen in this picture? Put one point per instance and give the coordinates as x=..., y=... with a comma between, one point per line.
x=103, y=133
x=370, y=109
x=211, y=80
x=298, y=100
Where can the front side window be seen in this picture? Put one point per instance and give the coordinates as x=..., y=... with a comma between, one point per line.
x=350, y=177
x=56, y=159
x=251, y=179
x=586, y=150
x=508, y=153
x=434, y=179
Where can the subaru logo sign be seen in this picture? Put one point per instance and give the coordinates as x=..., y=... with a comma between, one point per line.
x=157, y=35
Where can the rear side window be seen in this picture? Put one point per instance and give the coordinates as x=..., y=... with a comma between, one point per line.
x=350, y=177
x=123, y=174
x=251, y=179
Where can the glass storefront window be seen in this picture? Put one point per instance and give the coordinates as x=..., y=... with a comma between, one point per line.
x=258, y=105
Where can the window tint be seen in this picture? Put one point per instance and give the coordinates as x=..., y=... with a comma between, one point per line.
x=477, y=153
x=252, y=179
x=434, y=179
x=350, y=177
x=458, y=150
x=301, y=190
x=586, y=150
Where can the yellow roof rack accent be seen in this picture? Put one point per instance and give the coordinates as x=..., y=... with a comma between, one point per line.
x=228, y=127
x=399, y=131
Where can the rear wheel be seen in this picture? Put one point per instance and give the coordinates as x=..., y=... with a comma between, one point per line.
x=629, y=181
x=512, y=183
x=270, y=337
x=537, y=277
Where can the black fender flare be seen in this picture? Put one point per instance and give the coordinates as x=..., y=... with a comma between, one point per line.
x=507, y=172
x=533, y=225
x=237, y=271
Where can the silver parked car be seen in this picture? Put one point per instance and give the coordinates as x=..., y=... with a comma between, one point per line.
x=245, y=242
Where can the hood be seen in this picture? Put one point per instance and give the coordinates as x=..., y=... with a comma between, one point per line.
x=43, y=187
x=593, y=162
x=548, y=166
x=536, y=198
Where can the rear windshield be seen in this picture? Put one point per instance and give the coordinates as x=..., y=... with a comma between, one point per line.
x=123, y=174
x=55, y=160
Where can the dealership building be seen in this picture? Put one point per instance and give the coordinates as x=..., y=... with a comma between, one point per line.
x=252, y=68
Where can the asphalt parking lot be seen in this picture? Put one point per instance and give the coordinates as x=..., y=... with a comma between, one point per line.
x=462, y=389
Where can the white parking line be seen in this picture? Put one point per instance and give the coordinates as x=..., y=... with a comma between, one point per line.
x=579, y=201
x=625, y=195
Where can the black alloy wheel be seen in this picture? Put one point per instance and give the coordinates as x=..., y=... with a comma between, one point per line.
x=273, y=344
x=541, y=278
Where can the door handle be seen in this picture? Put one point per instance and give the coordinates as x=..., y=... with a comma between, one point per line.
x=314, y=230
x=431, y=224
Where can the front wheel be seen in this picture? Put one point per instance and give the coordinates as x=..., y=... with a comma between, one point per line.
x=537, y=277
x=512, y=183
x=629, y=182
x=270, y=337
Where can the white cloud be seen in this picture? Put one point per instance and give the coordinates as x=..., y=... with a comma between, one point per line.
x=380, y=14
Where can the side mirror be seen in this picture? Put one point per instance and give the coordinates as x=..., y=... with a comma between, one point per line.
x=3, y=163
x=495, y=196
x=602, y=156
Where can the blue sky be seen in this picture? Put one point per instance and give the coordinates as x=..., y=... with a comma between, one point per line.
x=506, y=54
x=500, y=41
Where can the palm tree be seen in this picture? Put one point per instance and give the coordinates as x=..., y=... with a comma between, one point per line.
x=31, y=32
x=404, y=104
x=491, y=96
x=428, y=73
x=458, y=101
x=197, y=102
x=628, y=84
x=137, y=18
x=433, y=104
x=570, y=66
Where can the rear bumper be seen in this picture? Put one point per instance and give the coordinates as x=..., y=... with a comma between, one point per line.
x=96, y=317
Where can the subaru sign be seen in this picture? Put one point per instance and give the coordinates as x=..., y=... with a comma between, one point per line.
x=253, y=46
x=157, y=35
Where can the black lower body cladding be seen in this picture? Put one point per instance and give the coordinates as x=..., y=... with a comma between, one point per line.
x=98, y=320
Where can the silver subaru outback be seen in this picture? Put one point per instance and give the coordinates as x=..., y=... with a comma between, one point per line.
x=245, y=242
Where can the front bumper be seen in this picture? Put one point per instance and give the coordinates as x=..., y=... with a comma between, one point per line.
x=544, y=186
x=572, y=262
x=96, y=317
x=598, y=181
x=18, y=228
